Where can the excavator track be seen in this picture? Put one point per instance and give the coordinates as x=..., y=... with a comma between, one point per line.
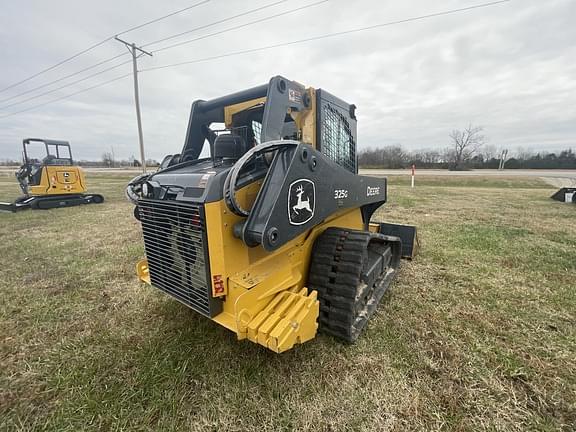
x=351, y=270
x=48, y=202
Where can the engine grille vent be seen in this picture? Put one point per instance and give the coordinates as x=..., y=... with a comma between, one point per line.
x=176, y=250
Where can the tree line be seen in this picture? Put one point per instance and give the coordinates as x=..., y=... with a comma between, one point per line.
x=467, y=150
x=395, y=157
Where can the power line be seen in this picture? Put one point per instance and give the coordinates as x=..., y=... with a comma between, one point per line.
x=68, y=96
x=146, y=45
x=242, y=25
x=298, y=41
x=54, y=66
x=214, y=23
x=102, y=42
x=65, y=77
x=139, y=26
x=66, y=85
x=329, y=35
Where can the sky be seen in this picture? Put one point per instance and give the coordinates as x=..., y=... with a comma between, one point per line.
x=509, y=68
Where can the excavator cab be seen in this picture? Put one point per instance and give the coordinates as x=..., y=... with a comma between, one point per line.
x=48, y=177
x=262, y=223
x=47, y=152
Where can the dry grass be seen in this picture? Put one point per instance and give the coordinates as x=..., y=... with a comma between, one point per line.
x=478, y=332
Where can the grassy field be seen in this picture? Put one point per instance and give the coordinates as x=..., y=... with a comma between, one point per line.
x=478, y=333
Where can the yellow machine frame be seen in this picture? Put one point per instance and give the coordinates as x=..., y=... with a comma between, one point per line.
x=267, y=301
x=59, y=180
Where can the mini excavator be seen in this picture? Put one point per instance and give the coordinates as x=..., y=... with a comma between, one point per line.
x=51, y=182
x=270, y=235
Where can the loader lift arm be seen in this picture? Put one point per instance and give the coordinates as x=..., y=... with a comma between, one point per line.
x=274, y=218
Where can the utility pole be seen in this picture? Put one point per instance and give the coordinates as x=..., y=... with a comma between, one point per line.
x=133, y=50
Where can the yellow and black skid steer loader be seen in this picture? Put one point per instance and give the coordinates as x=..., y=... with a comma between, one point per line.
x=270, y=236
x=50, y=182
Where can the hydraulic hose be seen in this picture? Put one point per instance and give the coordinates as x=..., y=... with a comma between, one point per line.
x=233, y=174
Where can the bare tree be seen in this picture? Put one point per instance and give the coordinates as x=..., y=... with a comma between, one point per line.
x=447, y=156
x=431, y=157
x=490, y=152
x=384, y=157
x=525, y=154
x=393, y=156
x=108, y=159
x=465, y=143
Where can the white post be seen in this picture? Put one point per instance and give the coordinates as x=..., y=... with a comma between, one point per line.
x=413, y=173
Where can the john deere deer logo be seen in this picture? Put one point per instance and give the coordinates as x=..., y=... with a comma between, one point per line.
x=301, y=199
x=301, y=204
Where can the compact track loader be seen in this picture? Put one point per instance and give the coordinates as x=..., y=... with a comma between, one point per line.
x=270, y=236
x=51, y=182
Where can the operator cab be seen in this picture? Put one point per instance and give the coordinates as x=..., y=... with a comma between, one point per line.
x=221, y=130
x=227, y=127
x=46, y=152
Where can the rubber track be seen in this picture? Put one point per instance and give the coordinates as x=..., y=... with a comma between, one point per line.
x=49, y=202
x=337, y=268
